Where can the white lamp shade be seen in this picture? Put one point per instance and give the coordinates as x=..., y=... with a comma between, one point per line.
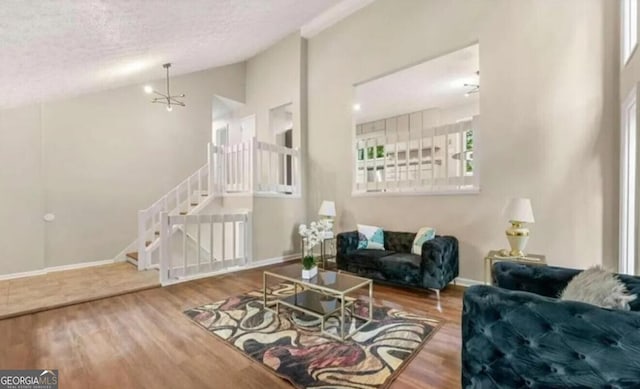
x=328, y=208
x=519, y=210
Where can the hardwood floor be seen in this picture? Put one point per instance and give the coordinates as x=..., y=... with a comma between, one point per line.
x=143, y=340
x=57, y=289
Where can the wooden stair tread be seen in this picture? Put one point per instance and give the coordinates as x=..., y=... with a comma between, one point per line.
x=134, y=255
x=194, y=204
x=183, y=213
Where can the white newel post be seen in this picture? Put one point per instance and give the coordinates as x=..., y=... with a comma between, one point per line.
x=248, y=241
x=253, y=151
x=142, y=247
x=212, y=167
x=165, y=249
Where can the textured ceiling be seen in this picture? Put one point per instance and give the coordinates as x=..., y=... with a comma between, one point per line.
x=51, y=49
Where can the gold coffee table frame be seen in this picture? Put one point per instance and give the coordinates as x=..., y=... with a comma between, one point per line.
x=315, y=288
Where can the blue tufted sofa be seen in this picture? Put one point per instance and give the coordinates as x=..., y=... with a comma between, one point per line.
x=518, y=335
x=434, y=269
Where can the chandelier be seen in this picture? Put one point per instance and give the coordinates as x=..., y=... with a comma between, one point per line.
x=167, y=99
x=475, y=88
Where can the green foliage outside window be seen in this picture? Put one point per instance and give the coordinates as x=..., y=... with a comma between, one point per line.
x=469, y=147
x=379, y=153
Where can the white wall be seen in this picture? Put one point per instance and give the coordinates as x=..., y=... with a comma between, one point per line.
x=549, y=122
x=275, y=77
x=104, y=156
x=21, y=200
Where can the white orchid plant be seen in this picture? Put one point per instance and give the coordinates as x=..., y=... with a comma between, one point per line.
x=311, y=237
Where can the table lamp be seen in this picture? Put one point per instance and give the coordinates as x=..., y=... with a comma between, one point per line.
x=328, y=211
x=519, y=213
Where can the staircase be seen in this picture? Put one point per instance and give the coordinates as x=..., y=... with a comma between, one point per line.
x=249, y=167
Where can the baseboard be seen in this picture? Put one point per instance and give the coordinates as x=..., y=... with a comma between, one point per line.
x=23, y=274
x=274, y=260
x=53, y=269
x=78, y=265
x=467, y=282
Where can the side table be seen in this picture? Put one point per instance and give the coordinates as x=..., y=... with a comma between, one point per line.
x=497, y=256
x=325, y=243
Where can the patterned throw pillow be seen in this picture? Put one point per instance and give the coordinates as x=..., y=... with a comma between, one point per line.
x=370, y=237
x=423, y=235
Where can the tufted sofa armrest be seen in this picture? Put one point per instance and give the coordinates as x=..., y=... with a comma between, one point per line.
x=440, y=261
x=346, y=242
x=514, y=339
x=546, y=281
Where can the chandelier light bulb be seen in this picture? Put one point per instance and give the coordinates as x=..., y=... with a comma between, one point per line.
x=169, y=108
x=148, y=89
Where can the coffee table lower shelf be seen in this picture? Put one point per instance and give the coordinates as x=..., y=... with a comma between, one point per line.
x=323, y=306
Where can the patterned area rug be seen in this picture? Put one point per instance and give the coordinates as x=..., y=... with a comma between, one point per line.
x=291, y=345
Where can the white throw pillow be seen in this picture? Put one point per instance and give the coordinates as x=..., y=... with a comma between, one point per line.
x=599, y=287
x=370, y=237
x=424, y=234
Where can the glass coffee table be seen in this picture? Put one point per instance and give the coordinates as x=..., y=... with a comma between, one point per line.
x=322, y=296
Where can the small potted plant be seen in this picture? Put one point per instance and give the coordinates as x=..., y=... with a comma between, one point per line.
x=310, y=237
x=309, y=267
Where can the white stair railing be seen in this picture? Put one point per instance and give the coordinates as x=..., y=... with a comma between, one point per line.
x=222, y=243
x=250, y=167
x=188, y=196
x=276, y=169
x=257, y=167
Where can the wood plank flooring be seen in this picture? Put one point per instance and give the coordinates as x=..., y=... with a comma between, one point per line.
x=143, y=340
x=57, y=289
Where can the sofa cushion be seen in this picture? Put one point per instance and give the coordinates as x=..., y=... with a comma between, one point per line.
x=368, y=258
x=400, y=242
x=402, y=267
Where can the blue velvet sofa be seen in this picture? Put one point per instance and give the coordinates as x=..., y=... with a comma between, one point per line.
x=517, y=334
x=434, y=269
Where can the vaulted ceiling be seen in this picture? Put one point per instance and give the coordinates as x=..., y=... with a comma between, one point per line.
x=51, y=49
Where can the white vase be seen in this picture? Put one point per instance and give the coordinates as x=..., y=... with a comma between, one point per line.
x=308, y=274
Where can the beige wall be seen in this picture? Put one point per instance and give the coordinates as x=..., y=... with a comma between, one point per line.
x=275, y=227
x=275, y=77
x=548, y=109
x=104, y=156
x=21, y=200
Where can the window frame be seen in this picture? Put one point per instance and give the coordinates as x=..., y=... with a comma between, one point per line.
x=468, y=182
x=629, y=29
x=628, y=184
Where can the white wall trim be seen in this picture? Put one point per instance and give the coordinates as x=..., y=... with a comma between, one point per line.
x=53, y=269
x=466, y=282
x=628, y=177
x=463, y=192
x=332, y=16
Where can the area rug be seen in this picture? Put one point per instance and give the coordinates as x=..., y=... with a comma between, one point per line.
x=290, y=343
